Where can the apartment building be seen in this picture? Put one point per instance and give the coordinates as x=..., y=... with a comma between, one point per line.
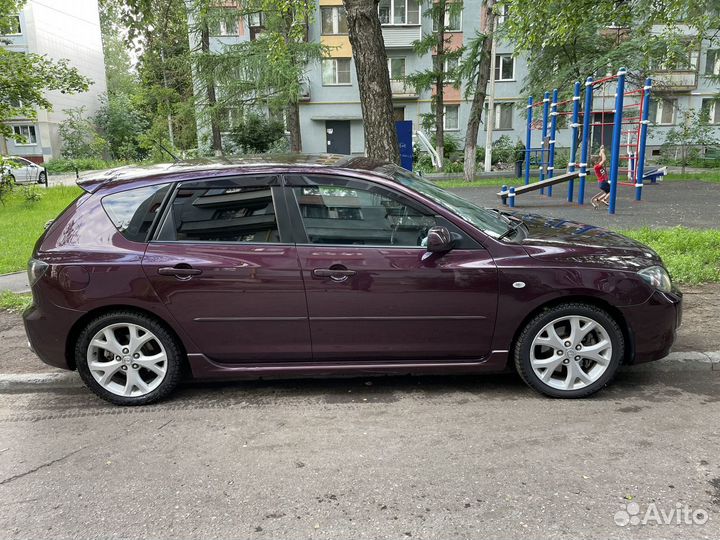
x=57, y=29
x=330, y=112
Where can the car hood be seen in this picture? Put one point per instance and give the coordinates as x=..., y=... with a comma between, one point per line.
x=562, y=240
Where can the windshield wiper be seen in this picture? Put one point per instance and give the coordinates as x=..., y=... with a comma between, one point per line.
x=511, y=229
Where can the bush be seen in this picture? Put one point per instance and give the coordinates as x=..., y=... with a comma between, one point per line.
x=257, y=134
x=423, y=164
x=64, y=165
x=79, y=137
x=503, y=150
x=31, y=194
x=453, y=167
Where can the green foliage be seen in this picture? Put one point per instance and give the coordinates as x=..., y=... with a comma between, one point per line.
x=687, y=141
x=503, y=150
x=31, y=194
x=256, y=133
x=78, y=135
x=120, y=121
x=691, y=256
x=453, y=167
x=21, y=224
x=14, y=302
x=64, y=165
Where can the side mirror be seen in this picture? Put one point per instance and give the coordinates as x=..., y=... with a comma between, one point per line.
x=439, y=240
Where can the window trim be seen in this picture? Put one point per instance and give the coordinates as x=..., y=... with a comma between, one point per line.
x=392, y=14
x=446, y=20
x=19, y=27
x=335, y=59
x=445, y=107
x=713, y=107
x=498, y=67
x=658, y=108
x=335, y=21
x=712, y=70
x=35, y=130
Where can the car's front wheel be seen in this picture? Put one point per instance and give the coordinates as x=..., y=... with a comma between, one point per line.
x=42, y=178
x=569, y=351
x=128, y=358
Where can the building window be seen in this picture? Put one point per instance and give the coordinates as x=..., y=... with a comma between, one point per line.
x=504, y=67
x=450, y=66
x=335, y=71
x=503, y=116
x=712, y=63
x=256, y=24
x=225, y=22
x=711, y=108
x=451, y=118
x=662, y=111
x=26, y=132
x=396, y=67
x=14, y=27
x=685, y=61
x=399, y=11
x=502, y=15
x=453, y=18
x=334, y=20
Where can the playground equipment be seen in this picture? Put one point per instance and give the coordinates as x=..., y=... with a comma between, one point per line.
x=626, y=112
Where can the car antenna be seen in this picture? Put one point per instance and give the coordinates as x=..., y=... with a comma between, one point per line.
x=175, y=158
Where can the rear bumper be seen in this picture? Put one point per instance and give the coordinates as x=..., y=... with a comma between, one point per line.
x=653, y=325
x=47, y=329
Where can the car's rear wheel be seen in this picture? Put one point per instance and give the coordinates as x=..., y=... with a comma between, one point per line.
x=128, y=358
x=569, y=351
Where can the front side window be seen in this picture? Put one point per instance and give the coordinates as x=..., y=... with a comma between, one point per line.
x=504, y=67
x=221, y=214
x=399, y=11
x=133, y=212
x=343, y=213
x=26, y=132
x=335, y=71
x=334, y=20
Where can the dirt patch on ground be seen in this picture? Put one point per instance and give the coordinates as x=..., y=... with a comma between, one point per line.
x=700, y=331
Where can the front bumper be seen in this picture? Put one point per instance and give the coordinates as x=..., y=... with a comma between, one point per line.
x=653, y=325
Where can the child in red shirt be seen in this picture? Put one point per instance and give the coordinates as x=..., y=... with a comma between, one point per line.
x=603, y=180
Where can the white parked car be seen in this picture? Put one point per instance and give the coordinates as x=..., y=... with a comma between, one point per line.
x=23, y=171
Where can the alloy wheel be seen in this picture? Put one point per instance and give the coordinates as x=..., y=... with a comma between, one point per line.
x=571, y=352
x=127, y=359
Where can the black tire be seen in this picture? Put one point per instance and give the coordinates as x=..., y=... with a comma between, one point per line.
x=537, y=323
x=42, y=178
x=169, y=342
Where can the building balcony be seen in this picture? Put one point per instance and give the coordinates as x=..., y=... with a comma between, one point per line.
x=402, y=90
x=401, y=36
x=305, y=90
x=675, y=80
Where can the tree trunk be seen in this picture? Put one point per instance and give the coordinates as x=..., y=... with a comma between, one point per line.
x=292, y=114
x=440, y=84
x=210, y=93
x=373, y=77
x=487, y=25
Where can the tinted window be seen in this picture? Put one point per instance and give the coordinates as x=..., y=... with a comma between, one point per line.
x=221, y=214
x=346, y=214
x=133, y=212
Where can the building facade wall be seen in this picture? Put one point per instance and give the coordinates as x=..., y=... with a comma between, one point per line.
x=67, y=29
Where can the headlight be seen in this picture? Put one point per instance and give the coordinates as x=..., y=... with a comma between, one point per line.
x=657, y=276
x=35, y=270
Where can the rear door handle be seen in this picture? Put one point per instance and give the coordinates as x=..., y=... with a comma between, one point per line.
x=336, y=274
x=179, y=271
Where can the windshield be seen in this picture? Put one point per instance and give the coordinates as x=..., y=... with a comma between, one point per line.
x=489, y=221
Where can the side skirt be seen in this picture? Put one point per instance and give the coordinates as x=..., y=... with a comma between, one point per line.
x=205, y=369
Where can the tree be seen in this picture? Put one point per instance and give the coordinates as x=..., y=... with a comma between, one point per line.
x=25, y=78
x=476, y=69
x=79, y=138
x=122, y=124
x=639, y=35
x=693, y=133
x=373, y=77
x=444, y=68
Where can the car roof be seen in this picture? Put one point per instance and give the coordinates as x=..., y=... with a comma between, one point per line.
x=272, y=162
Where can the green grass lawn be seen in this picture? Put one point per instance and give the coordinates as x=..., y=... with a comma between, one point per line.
x=22, y=223
x=692, y=256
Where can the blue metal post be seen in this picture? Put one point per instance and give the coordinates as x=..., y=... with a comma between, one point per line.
x=504, y=194
x=528, y=139
x=573, y=141
x=584, y=147
x=553, y=130
x=543, y=160
x=617, y=135
x=511, y=197
x=640, y=163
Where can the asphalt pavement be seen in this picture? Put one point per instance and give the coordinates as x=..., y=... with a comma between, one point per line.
x=399, y=457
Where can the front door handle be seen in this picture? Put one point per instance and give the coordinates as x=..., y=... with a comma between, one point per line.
x=336, y=274
x=180, y=271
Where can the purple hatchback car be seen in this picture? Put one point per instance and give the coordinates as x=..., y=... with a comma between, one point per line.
x=331, y=265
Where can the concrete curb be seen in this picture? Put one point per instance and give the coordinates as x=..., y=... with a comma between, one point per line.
x=16, y=282
x=69, y=379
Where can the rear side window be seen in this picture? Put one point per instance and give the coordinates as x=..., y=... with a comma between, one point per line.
x=133, y=212
x=221, y=214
